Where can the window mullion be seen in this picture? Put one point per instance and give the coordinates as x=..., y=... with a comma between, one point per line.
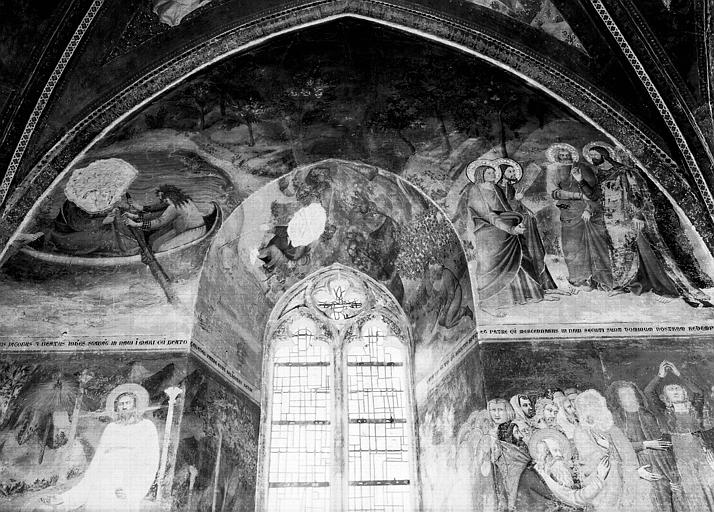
x=339, y=411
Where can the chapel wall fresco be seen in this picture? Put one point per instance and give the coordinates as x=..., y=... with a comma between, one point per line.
x=443, y=439
x=423, y=116
x=216, y=418
x=597, y=425
x=340, y=212
x=90, y=430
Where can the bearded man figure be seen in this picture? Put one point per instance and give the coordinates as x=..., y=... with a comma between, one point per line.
x=653, y=450
x=584, y=239
x=626, y=487
x=549, y=484
x=524, y=409
x=641, y=260
x=125, y=460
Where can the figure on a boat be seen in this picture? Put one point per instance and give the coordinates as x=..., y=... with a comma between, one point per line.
x=174, y=221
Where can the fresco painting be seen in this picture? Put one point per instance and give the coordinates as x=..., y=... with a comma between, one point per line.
x=343, y=212
x=427, y=116
x=97, y=432
x=561, y=426
x=489, y=214
x=216, y=462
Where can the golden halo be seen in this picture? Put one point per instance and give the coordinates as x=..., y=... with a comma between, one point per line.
x=551, y=152
x=597, y=143
x=482, y=162
x=142, y=398
x=511, y=163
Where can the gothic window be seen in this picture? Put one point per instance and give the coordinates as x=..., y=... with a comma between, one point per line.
x=338, y=424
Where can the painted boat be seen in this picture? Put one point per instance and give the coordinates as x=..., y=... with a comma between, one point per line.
x=177, y=259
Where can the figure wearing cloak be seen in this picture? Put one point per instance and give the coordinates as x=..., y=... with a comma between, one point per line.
x=639, y=424
x=512, y=174
x=641, y=261
x=682, y=420
x=79, y=233
x=584, y=239
x=125, y=461
x=505, y=273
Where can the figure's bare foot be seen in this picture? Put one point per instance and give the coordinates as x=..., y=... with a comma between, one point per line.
x=551, y=298
x=662, y=299
x=615, y=292
x=558, y=291
x=495, y=313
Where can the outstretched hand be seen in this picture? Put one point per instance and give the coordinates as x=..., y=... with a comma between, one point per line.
x=657, y=444
x=130, y=222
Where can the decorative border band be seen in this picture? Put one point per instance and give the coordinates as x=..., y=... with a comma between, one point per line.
x=44, y=98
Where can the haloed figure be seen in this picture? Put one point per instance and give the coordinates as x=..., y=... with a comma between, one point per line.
x=584, y=239
x=641, y=260
x=512, y=174
x=505, y=272
x=125, y=460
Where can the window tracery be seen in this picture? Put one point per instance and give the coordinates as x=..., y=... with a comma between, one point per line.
x=338, y=400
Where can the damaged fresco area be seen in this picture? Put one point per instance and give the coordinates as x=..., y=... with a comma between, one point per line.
x=334, y=212
x=435, y=118
x=124, y=431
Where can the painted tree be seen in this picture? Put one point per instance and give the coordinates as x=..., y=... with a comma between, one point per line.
x=237, y=85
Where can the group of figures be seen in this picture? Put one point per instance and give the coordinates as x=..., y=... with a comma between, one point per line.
x=569, y=450
x=609, y=236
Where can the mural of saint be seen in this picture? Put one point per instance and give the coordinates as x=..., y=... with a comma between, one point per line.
x=584, y=238
x=125, y=461
x=681, y=418
x=505, y=270
x=641, y=261
x=512, y=173
x=640, y=425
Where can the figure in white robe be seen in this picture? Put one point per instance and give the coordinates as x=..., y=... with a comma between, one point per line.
x=124, y=464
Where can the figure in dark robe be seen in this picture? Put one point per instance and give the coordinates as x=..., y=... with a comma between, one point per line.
x=678, y=402
x=512, y=173
x=653, y=449
x=641, y=260
x=78, y=233
x=505, y=272
x=584, y=238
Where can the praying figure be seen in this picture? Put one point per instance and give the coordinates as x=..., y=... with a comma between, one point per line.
x=125, y=460
x=675, y=398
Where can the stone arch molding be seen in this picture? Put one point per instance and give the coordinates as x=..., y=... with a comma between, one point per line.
x=576, y=93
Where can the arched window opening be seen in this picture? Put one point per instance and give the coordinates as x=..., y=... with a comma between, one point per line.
x=338, y=433
x=378, y=449
x=300, y=426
